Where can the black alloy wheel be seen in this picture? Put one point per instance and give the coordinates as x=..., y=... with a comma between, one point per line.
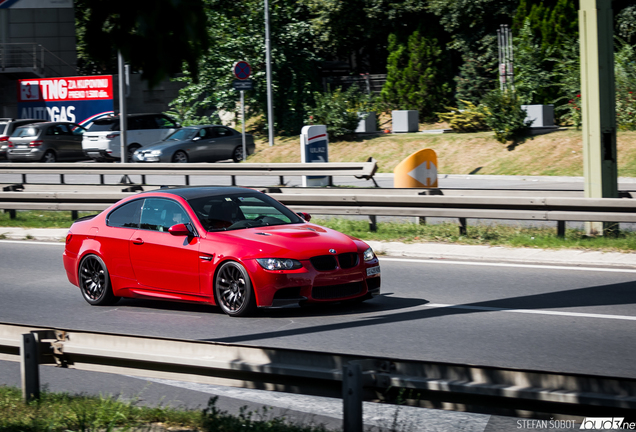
x=233, y=290
x=94, y=281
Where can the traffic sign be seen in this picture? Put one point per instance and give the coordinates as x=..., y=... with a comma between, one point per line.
x=242, y=70
x=243, y=85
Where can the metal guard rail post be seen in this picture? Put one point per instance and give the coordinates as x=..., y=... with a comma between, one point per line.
x=316, y=373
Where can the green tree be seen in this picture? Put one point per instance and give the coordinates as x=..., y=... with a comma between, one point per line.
x=237, y=34
x=417, y=75
x=472, y=26
x=155, y=40
x=533, y=80
x=358, y=29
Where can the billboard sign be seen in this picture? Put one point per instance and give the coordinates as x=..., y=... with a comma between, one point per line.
x=75, y=99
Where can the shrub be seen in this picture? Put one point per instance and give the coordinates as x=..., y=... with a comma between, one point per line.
x=469, y=119
x=504, y=115
x=338, y=110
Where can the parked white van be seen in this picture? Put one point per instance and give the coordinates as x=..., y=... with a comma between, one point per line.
x=102, y=140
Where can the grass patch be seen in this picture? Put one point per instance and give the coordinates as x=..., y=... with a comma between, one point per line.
x=477, y=234
x=556, y=154
x=482, y=234
x=61, y=412
x=39, y=219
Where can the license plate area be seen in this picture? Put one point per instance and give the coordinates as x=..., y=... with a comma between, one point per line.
x=373, y=271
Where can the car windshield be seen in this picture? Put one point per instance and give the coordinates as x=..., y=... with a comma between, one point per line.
x=104, y=125
x=26, y=131
x=3, y=127
x=182, y=134
x=239, y=211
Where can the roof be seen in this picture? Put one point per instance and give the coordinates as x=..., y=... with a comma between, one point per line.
x=189, y=193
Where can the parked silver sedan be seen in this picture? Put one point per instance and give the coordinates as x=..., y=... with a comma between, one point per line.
x=208, y=143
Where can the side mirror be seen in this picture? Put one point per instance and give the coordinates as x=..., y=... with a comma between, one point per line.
x=196, y=138
x=180, y=230
x=305, y=216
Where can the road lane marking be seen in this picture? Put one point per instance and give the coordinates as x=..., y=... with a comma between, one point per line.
x=34, y=242
x=531, y=311
x=495, y=264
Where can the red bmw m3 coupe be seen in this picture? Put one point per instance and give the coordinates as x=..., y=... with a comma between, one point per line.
x=234, y=247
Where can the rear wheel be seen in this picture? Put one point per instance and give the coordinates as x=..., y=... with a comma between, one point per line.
x=94, y=281
x=237, y=154
x=49, y=157
x=180, y=157
x=233, y=290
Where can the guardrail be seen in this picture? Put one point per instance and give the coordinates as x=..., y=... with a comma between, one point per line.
x=353, y=378
x=363, y=170
x=379, y=203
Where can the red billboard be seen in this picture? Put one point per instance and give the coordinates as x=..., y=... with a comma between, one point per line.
x=75, y=99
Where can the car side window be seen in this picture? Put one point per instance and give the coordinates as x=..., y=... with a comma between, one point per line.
x=222, y=131
x=63, y=130
x=159, y=214
x=126, y=216
x=164, y=123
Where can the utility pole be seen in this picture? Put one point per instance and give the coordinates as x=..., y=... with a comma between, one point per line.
x=598, y=105
x=268, y=70
x=123, y=112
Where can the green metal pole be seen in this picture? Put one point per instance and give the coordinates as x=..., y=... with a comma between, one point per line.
x=598, y=104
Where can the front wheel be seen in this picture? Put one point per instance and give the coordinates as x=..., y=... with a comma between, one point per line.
x=233, y=290
x=94, y=282
x=180, y=157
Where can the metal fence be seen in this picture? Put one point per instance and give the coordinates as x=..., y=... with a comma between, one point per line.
x=353, y=378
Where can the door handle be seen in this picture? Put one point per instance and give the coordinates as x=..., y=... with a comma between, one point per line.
x=138, y=241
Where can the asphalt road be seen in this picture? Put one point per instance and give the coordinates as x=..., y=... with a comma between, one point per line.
x=564, y=320
x=523, y=317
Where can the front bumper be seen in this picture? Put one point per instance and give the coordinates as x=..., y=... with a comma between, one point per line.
x=307, y=285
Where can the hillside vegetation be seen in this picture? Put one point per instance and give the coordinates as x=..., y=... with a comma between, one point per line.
x=556, y=154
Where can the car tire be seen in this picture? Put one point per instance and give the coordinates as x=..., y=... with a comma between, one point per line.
x=237, y=154
x=94, y=281
x=233, y=290
x=49, y=157
x=180, y=157
x=132, y=149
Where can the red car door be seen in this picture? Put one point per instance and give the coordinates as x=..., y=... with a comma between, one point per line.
x=160, y=260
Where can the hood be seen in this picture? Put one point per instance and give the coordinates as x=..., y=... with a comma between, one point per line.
x=299, y=241
x=163, y=145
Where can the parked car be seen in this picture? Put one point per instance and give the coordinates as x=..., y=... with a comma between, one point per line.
x=208, y=143
x=7, y=126
x=46, y=142
x=233, y=247
x=102, y=141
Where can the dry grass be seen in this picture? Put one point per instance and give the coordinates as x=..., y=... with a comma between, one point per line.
x=557, y=153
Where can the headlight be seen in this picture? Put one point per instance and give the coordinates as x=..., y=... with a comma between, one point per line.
x=368, y=254
x=155, y=152
x=279, y=263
